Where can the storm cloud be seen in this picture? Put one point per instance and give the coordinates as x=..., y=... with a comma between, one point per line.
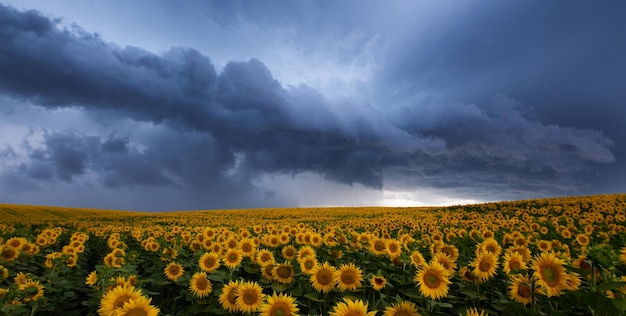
x=173, y=120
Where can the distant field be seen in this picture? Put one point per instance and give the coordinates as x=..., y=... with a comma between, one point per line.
x=13, y=213
x=562, y=256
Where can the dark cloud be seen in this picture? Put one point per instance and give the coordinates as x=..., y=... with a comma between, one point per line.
x=212, y=133
x=276, y=129
x=499, y=149
x=561, y=59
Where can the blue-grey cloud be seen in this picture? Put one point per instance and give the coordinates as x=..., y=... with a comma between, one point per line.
x=244, y=108
x=214, y=132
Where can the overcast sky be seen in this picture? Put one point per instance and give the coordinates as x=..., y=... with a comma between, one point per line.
x=172, y=105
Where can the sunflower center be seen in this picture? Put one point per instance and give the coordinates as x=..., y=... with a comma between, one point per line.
x=246, y=247
x=232, y=257
x=393, y=248
x=402, y=313
x=119, y=302
x=549, y=275
x=209, y=262
x=585, y=265
x=432, y=280
x=249, y=298
x=232, y=298
x=201, y=284
x=469, y=275
x=308, y=264
x=348, y=277
x=324, y=277
x=484, y=266
x=379, y=281
x=9, y=253
x=136, y=312
x=379, y=246
x=524, y=291
x=174, y=270
x=279, y=309
x=283, y=272
x=514, y=265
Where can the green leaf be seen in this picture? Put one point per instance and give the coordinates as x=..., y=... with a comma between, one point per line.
x=251, y=269
x=313, y=297
x=440, y=304
x=69, y=293
x=610, y=285
x=279, y=287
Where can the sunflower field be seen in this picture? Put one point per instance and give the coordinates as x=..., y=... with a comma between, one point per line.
x=561, y=256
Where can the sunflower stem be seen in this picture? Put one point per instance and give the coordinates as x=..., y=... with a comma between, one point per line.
x=533, y=306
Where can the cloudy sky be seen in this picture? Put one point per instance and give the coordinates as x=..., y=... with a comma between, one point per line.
x=162, y=105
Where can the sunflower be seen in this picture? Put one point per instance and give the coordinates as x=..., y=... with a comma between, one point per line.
x=445, y=261
x=4, y=272
x=33, y=289
x=231, y=243
x=16, y=242
x=450, y=250
x=304, y=252
x=308, y=264
x=378, y=282
x=283, y=273
x=394, y=248
x=289, y=252
x=351, y=308
x=249, y=297
x=523, y=251
x=21, y=278
x=279, y=305
x=378, y=246
x=467, y=274
x=573, y=281
x=549, y=273
x=520, y=289
x=114, y=299
x=417, y=259
x=199, y=285
x=232, y=258
x=139, y=306
x=247, y=247
x=622, y=256
x=91, y=279
x=582, y=239
x=404, y=308
x=513, y=261
x=266, y=271
x=544, y=245
x=323, y=277
x=264, y=256
x=583, y=263
x=474, y=312
x=432, y=280
x=490, y=245
x=348, y=277
x=9, y=254
x=209, y=262
x=173, y=271
x=228, y=298
x=485, y=266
